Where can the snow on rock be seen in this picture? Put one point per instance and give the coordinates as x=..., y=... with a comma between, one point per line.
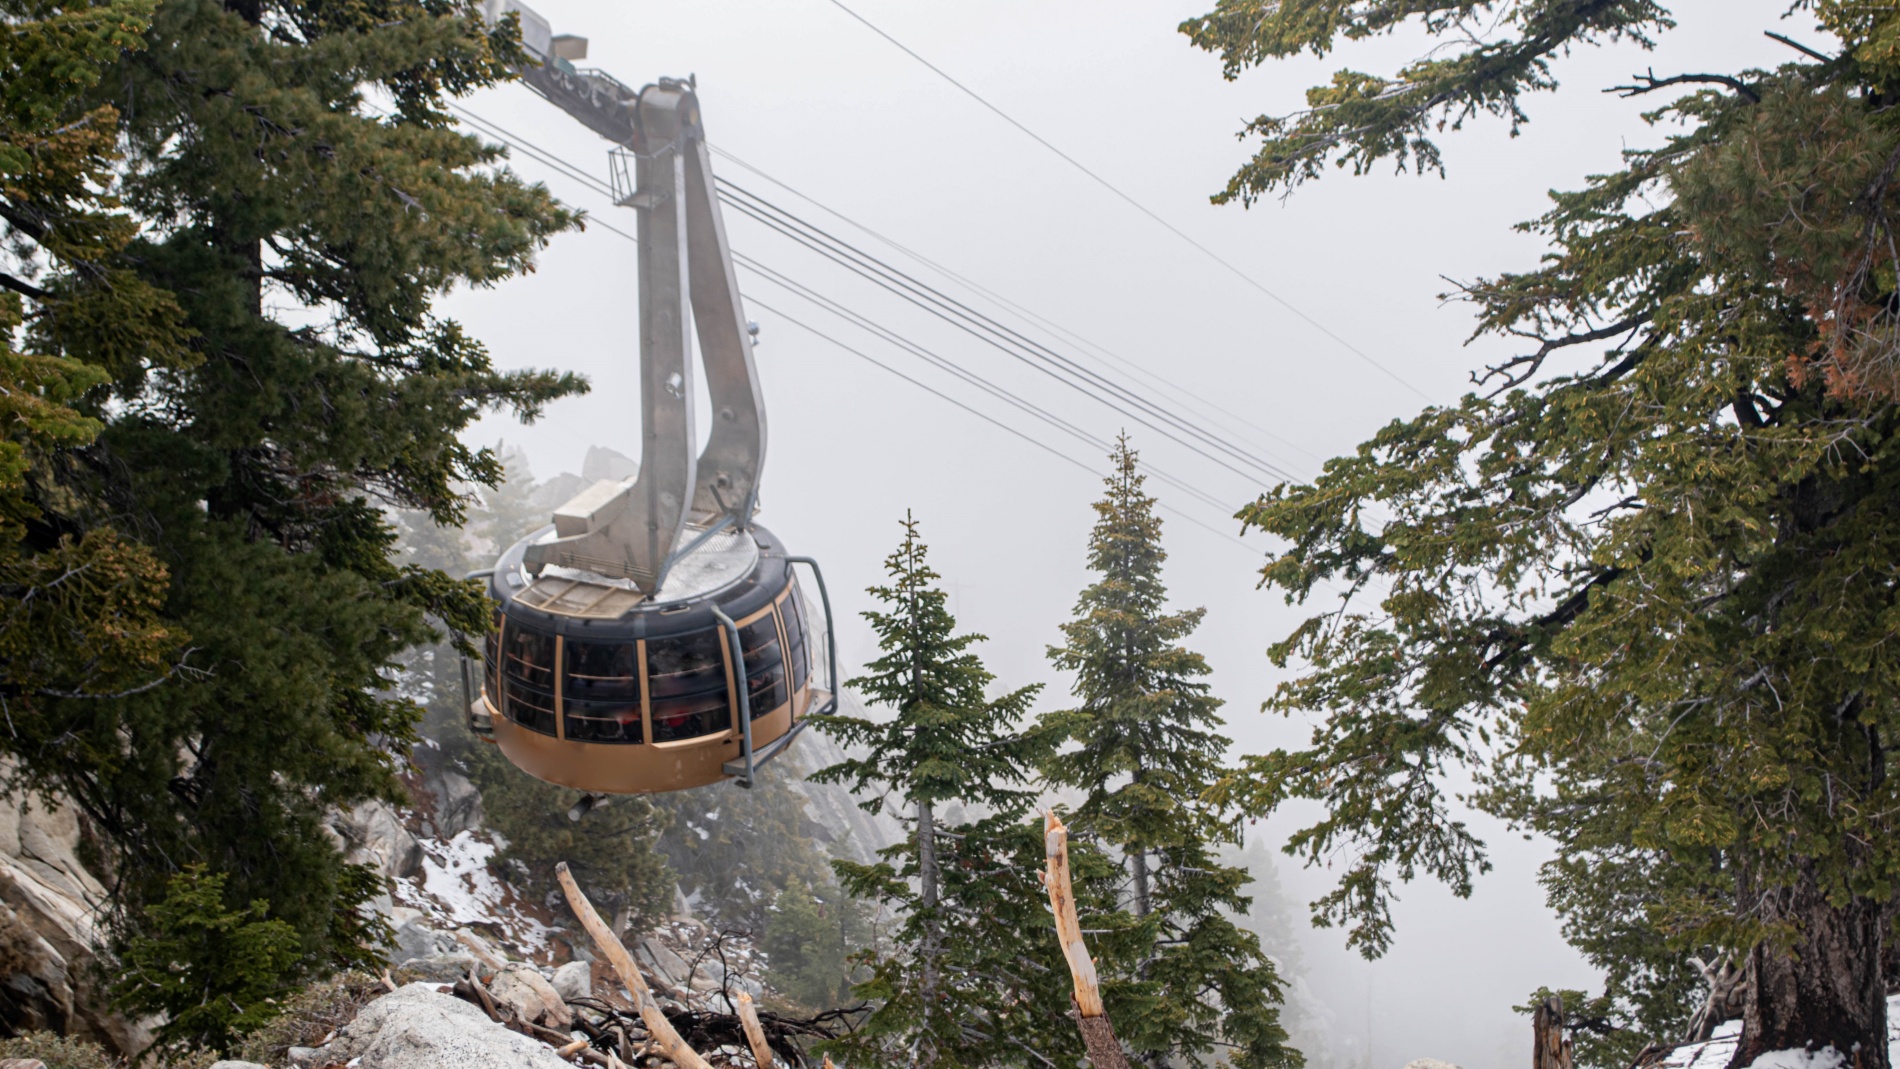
x=1715, y=1052
x=455, y=876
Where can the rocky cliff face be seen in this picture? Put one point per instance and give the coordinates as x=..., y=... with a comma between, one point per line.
x=847, y=831
x=50, y=941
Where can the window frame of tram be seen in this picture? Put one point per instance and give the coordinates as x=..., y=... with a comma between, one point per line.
x=761, y=679
x=705, y=657
x=518, y=687
x=605, y=694
x=771, y=682
x=797, y=640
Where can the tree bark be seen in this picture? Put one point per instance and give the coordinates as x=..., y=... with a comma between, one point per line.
x=1826, y=989
x=927, y=879
x=1550, y=1048
x=1144, y=899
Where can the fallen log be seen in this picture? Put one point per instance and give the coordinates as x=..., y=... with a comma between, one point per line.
x=616, y=954
x=1098, y=1034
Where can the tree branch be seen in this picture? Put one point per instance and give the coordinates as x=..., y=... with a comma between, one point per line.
x=1798, y=46
x=1649, y=83
x=21, y=286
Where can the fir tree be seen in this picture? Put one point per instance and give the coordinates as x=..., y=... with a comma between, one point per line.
x=976, y=978
x=263, y=374
x=1143, y=746
x=1643, y=580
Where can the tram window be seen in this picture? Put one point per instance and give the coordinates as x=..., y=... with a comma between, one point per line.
x=686, y=686
x=765, y=665
x=532, y=709
x=528, y=678
x=600, y=692
x=529, y=657
x=491, y=657
x=797, y=642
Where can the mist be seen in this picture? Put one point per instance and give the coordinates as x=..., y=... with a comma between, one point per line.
x=804, y=94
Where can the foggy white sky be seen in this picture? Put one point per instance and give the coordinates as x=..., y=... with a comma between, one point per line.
x=800, y=90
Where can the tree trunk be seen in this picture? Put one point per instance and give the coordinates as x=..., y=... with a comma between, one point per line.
x=1826, y=989
x=927, y=878
x=1144, y=900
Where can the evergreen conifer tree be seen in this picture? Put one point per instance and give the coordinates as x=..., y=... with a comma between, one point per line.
x=247, y=325
x=1645, y=579
x=975, y=977
x=80, y=599
x=1143, y=746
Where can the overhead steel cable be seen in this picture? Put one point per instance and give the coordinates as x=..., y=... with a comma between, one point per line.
x=1240, y=424
x=936, y=360
x=949, y=308
x=1038, y=443
x=986, y=331
x=1007, y=335
x=1137, y=205
x=574, y=173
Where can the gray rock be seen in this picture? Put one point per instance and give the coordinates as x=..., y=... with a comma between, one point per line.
x=415, y=1027
x=669, y=966
x=237, y=1065
x=50, y=907
x=374, y=835
x=436, y=969
x=522, y=989
x=574, y=980
x=603, y=463
x=302, y=1055
x=417, y=939
x=458, y=805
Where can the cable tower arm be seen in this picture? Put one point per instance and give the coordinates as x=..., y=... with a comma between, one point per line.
x=637, y=529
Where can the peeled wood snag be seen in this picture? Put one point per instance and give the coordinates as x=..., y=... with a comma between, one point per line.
x=661, y=1029
x=1098, y=1035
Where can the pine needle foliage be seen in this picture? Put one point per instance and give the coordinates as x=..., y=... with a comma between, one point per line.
x=974, y=976
x=1143, y=746
x=219, y=264
x=1643, y=581
x=214, y=973
x=80, y=602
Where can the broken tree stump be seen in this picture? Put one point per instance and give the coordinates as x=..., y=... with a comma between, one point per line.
x=1098, y=1034
x=1551, y=1049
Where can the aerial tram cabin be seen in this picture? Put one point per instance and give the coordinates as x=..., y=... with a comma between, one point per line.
x=589, y=684
x=653, y=637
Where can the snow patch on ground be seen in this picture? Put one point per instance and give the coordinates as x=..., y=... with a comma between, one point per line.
x=455, y=874
x=1825, y=1058
x=1719, y=1048
x=457, y=886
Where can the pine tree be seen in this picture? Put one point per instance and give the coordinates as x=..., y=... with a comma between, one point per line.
x=809, y=939
x=1143, y=745
x=80, y=601
x=977, y=978
x=263, y=373
x=1644, y=580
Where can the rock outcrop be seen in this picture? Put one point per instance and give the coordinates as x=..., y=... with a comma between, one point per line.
x=846, y=831
x=373, y=834
x=49, y=930
x=418, y=1027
